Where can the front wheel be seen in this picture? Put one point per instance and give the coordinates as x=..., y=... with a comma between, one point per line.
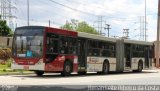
x=39, y=73
x=67, y=69
x=105, y=68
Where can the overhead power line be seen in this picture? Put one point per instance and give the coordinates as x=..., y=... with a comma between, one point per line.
x=72, y=8
x=84, y=4
x=82, y=18
x=104, y=10
x=48, y=11
x=7, y=9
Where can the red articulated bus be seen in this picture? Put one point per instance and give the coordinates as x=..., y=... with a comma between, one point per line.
x=44, y=49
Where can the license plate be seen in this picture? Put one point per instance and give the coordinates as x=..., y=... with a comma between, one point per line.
x=26, y=67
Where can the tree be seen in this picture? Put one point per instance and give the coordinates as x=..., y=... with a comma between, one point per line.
x=4, y=28
x=79, y=26
x=67, y=26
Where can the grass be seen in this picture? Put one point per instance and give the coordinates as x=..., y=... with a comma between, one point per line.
x=2, y=66
x=6, y=70
x=17, y=72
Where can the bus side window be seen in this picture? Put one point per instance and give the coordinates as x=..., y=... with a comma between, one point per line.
x=90, y=52
x=62, y=44
x=52, y=43
x=101, y=51
x=66, y=47
x=55, y=46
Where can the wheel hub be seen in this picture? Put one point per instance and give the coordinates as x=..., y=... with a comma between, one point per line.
x=67, y=68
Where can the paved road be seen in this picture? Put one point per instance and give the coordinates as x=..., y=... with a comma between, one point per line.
x=148, y=77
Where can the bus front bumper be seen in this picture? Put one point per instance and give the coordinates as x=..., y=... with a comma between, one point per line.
x=37, y=66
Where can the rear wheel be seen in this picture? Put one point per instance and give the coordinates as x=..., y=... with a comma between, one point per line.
x=99, y=72
x=39, y=73
x=67, y=69
x=140, y=67
x=82, y=73
x=105, y=67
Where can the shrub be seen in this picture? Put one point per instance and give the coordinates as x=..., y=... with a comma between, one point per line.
x=4, y=70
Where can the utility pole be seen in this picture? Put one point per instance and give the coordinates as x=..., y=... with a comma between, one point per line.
x=100, y=22
x=49, y=23
x=142, y=26
x=142, y=29
x=7, y=8
x=145, y=20
x=126, y=33
x=28, y=11
x=158, y=35
x=108, y=28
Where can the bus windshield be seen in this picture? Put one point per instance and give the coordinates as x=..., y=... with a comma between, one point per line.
x=28, y=43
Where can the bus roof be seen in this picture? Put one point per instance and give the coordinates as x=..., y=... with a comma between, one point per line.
x=51, y=30
x=87, y=35
x=93, y=36
x=30, y=27
x=137, y=42
x=61, y=31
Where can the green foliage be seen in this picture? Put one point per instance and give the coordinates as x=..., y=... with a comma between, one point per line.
x=67, y=26
x=79, y=26
x=84, y=27
x=4, y=29
x=4, y=70
x=9, y=63
x=3, y=66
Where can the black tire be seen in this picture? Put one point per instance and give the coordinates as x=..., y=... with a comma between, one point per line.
x=99, y=72
x=67, y=69
x=39, y=73
x=140, y=67
x=82, y=73
x=105, y=69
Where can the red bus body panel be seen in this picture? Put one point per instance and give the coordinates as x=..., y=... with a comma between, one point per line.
x=57, y=64
x=61, y=31
x=26, y=61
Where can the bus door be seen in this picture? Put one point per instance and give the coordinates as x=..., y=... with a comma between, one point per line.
x=128, y=55
x=82, y=53
x=146, y=52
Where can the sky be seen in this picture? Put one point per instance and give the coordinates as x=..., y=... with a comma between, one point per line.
x=120, y=14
